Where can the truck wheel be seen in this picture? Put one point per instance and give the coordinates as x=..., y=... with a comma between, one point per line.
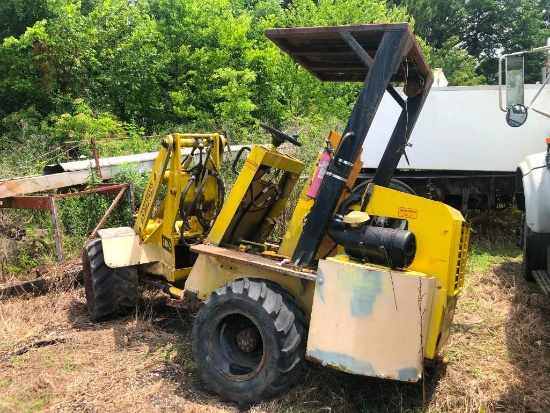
x=249, y=341
x=529, y=263
x=109, y=291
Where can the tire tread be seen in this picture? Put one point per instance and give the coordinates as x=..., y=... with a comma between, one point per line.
x=114, y=291
x=286, y=319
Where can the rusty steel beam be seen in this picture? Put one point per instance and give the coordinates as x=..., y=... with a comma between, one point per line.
x=115, y=202
x=26, y=202
x=42, y=202
x=103, y=189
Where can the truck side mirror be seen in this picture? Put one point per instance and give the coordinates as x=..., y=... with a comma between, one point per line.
x=516, y=115
x=514, y=81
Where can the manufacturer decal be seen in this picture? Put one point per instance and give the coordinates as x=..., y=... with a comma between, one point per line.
x=251, y=164
x=409, y=213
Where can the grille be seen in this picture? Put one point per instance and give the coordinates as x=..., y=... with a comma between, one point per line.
x=462, y=257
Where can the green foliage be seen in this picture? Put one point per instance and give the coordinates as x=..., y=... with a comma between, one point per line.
x=459, y=67
x=335, y=12
x=85, y=124
x=484, y=28
x=203, y=63
x=17, y=15
x=126, y=62
x=130, y=174
x=22, y=261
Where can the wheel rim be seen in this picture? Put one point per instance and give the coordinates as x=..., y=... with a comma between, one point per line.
x=238, y=349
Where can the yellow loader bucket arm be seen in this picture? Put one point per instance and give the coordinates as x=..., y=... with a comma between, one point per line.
x=193, y=187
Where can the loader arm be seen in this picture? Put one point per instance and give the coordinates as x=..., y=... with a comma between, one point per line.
x=154, y=184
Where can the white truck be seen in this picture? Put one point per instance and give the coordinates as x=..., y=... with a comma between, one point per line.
x=533, y=173
x=461, y=152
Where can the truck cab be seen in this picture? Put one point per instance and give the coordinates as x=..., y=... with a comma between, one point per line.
x=533, y=173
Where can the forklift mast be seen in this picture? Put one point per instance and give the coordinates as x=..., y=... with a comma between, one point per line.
x=377, y=55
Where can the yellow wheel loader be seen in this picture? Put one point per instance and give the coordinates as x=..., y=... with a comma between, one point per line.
x=366, y=277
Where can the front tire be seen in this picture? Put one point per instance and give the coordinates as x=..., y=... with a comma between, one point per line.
x=249, y=341
x=535, y=250
x=109, y=291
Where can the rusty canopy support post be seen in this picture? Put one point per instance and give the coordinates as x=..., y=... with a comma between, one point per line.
x=56, y=230
x=66, y=147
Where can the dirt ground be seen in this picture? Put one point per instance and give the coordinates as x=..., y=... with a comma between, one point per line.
x=53, y=359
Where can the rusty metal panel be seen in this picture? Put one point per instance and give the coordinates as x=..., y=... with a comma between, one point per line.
x=370, y=321
x=329, y=54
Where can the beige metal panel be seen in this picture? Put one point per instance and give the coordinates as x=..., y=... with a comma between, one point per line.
x=370, y=321
x=121, y=248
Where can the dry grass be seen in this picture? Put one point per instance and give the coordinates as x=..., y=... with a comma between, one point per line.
x=499, y=359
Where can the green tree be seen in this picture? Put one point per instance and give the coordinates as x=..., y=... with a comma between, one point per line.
x=459, y=67
x=219, y=63
x=435, y=20
x=485, y=28
x=17, y=15
x=125, y=64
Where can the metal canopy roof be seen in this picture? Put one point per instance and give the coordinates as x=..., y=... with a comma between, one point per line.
x=327, y=55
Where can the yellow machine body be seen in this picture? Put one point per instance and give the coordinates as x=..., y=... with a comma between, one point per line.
x=158, y=241
x=364, y=318
x=348, y=301
x=442, y=239
x=258, y=196
x=367, y=314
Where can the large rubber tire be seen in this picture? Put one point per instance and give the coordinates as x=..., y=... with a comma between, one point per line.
x=535, y=250
x=109, y=291
x=395, y=184
x=249, y=340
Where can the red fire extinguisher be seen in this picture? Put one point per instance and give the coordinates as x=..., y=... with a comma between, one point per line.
x=320, y=171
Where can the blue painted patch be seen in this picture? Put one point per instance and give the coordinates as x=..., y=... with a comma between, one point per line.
x=364, y=293
x=408, y=374
x=343, y=362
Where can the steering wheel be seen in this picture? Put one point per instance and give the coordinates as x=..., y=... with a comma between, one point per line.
x=280, y=137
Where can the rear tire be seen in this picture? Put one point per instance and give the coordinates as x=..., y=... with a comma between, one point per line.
x=109, y=291
x=249, y=341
